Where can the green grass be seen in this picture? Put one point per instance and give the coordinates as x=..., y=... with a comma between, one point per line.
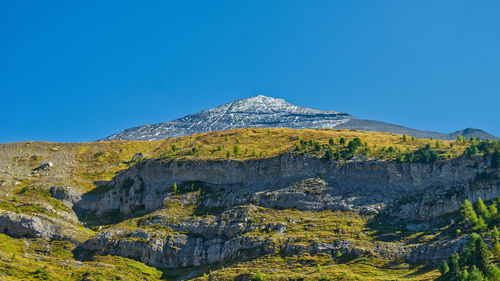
x=321, y=267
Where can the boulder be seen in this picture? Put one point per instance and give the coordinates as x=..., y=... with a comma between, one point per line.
x=66, y=194
x=44, y=166
x=25, y=226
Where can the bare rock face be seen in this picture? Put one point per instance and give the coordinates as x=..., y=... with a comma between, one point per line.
x=209, y=240
x=65, y=194
x=437, y=250
x=192, y=242
x=412, y=191
x=24, y=226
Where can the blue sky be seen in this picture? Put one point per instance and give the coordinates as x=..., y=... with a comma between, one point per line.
x=81, y=70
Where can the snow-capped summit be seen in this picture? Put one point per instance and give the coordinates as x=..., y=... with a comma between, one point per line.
x=259, y=111
x=266, y=112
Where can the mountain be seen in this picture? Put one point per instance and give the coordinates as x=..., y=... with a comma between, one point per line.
x=266, y=112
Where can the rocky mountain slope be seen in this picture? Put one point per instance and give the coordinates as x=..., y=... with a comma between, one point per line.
x=266, y=112
x=238, y=205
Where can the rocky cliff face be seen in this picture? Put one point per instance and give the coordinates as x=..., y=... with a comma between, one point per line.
x=419, y=191
x=413, y=192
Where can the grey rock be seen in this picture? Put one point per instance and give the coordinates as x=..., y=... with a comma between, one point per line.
x=66, y=194
x=24, y=226
x=174, y=250
x=412, y=191
x=137, y=157
x=44, y=166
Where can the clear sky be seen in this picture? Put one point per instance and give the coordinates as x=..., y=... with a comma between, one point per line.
x=81, y=70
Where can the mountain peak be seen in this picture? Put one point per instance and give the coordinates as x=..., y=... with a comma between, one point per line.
x=258, y=111
x=259, y=104
x=266, y=112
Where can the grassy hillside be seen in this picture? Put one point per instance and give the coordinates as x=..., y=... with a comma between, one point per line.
x=26, y=191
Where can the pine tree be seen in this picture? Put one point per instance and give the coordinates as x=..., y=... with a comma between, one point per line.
x=405, y=138
x=493, y=211
x=469, y=217
x=329, y=154
x=493, y=273
x=481, y=224
x=331, y=141
x=495, y=159
x=462, y=275
x=467, y=259
x=482, y=210
x=494, y=234
x=443, y=268
x=317, y=146
x=236, y=150
x=481, y=257
x=174, y=188
x=453, y=263
x=475, y=275
x=496, y=251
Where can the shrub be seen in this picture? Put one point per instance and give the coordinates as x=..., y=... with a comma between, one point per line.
x=258, y=277
x=438, y=143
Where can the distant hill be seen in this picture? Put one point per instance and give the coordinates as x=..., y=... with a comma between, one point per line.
x=266, y=112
